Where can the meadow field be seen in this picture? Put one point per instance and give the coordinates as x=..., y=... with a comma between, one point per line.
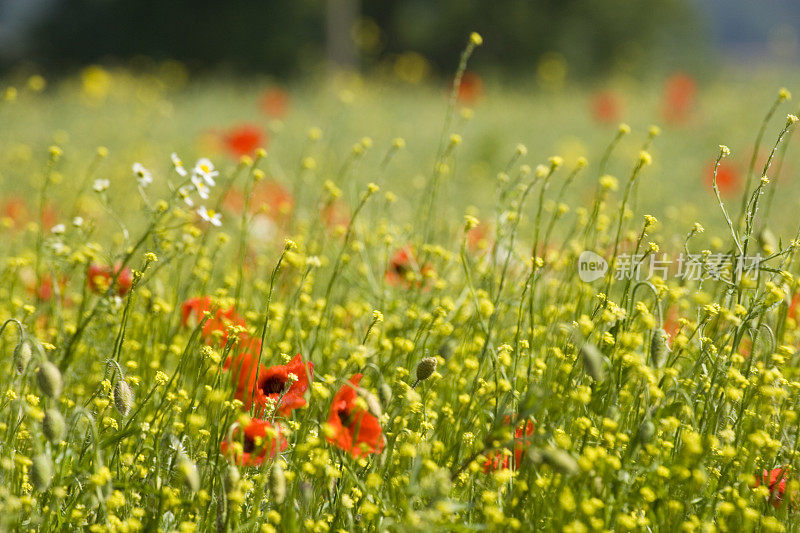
x=365, y=304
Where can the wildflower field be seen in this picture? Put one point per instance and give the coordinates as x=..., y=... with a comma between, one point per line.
x=360, y=305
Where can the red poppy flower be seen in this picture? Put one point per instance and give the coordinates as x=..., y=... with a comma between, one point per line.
x=680, y=93
x=775, y=479
x=793, y=307
x=354, y=428
x=470, y=89
x=268, y=197
x=15, y=210
x=671, y=323
x=401, y=264
x=335, y=215
x=499, y=460
x=478, y=238
x=275, y=102
x=259, y=438
x=271, y=383
x=193, y=310
x=45, y=289
x=244, y=139
x=727, y=177
x=100, y=277
x=606, y=107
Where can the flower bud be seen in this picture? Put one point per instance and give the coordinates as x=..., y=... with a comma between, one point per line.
x=123, y=397
x=593, y=361
x=22, y=356
x=373, y=404
x=658, y=348
x=41, y=472
x=426, y=367
x=48, y=377
x=188, y=473
x=230, y=479
x=385, y=393
x=277, y=483
x=647, y=431
x=54, y=426
x=560, y=461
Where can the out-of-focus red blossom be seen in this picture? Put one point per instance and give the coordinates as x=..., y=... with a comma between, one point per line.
x=471, y=88
x=270, y=382
x=499, y=460
x=335, y=215
x=268, y=197
x=260, y=438
x=244, y=139
x=606, y=107
x=401, y=263
x=275, y=102
x=727, y=177
x=45, y=290
x=679, y=100
x=15, y=210
x=100, y=277
x=354, y=429
x=775, y=480
x=671, y=324
x=193, y=310
x=478, y=238
x=793, y=307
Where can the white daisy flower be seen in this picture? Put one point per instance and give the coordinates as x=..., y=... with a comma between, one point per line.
x=77, y=222
x=201, y=187
x=143, y=175
x=205, y=169
x=58, y=229
x=185, y=193
x=209, y=215
x=178, y=164
x=101, y=185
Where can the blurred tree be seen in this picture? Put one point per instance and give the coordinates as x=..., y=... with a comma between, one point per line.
x=284, y=38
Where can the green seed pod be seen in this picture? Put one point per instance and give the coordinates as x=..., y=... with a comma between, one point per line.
x=385, y=393
x=560, y=460
x=188, y=473
x=54, y=426
x=49, y=379
x=647, y=431
x=659, y=351
x=277, y=483
x=593, y=361
x=426, y=367
x=123, y=397
x=230, y=479
x=41, y=472
x=22, y=356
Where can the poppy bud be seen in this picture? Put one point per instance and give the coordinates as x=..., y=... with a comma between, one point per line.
x=277, y=483
x=123, y=397
x=647, y=431
x=425, y=368
x=767, y=241
x=385, y=393
x=41, y=472
x=188, y=473
x=231, y=478
x=560, y=460
x=593, y=361
x=22, y=356
x=49, y=379
x=53, y=426
x=659, y=351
